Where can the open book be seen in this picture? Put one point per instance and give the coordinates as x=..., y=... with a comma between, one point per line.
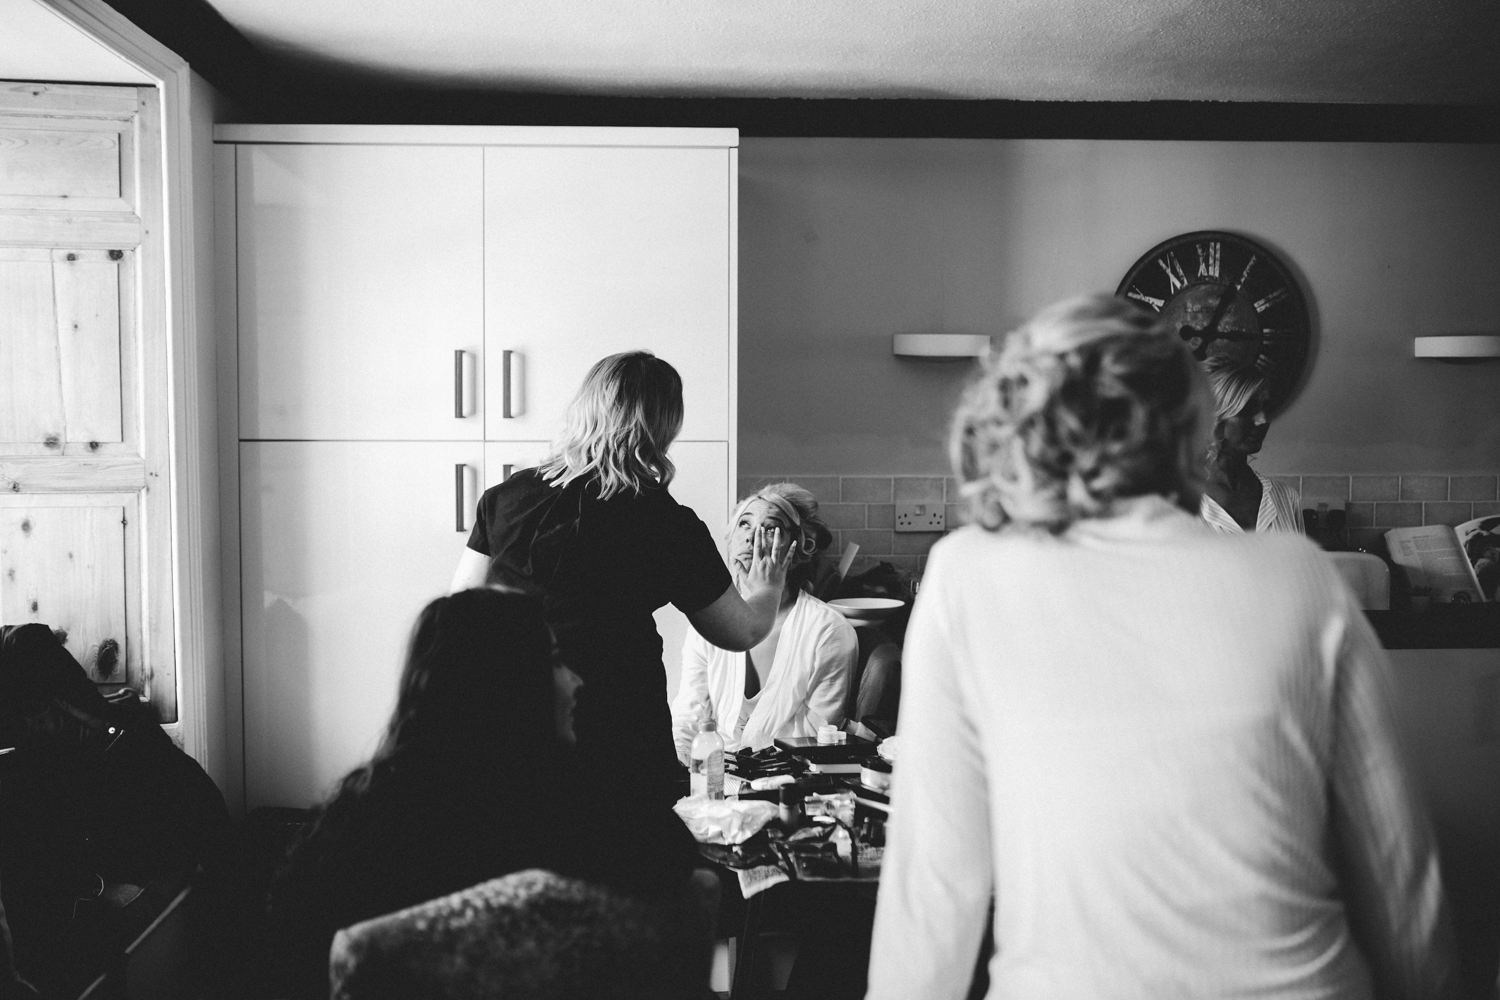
x=1459, y=565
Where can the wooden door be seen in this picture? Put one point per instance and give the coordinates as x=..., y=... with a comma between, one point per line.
x=360, y=273
x=342, y=544
x=85, y=394
x=594, y=250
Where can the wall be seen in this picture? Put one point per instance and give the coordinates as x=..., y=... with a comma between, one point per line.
x=844, y=242
x=37, y=44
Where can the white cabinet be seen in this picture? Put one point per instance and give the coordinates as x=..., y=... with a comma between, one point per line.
x=365, y=257
x=591, y=251
x=361, y=273
x=343, y=543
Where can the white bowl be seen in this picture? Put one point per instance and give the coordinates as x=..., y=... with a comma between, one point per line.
x=867, y=609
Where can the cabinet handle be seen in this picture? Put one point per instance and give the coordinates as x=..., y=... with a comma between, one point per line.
x=505, y=410
x=463, y=384
x=464, y=488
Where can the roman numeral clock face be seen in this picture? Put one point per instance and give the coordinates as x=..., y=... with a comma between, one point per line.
x=1226, y=295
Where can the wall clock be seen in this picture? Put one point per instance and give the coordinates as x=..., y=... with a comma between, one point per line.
x=1227, y=295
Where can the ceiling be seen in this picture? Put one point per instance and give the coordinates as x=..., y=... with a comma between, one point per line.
x=1411, y=52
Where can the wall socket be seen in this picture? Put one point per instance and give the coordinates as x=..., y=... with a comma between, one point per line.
x=920, y=517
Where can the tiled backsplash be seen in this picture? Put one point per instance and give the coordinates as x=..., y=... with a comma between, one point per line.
x=862, y=509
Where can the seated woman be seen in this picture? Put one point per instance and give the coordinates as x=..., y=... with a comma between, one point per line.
x=1236, y=498
x=470, y=782
x=797, y=678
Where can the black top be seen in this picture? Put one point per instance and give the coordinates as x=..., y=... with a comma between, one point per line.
x=408, y=835
x=604, y=567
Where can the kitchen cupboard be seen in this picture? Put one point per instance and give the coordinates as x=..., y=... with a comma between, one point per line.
x=416, y=306
x=86, y=525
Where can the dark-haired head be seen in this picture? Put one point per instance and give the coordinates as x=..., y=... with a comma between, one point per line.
x=477, y=690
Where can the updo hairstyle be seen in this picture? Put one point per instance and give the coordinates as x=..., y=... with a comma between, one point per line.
x=1092, y=401
x=801, y=508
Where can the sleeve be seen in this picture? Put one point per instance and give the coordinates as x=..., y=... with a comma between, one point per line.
x=692, y=691
x=1384, y=852
x=479, y=538
x=936, y=881
x=833, y=658
x=1285, y=503
x=693, y=573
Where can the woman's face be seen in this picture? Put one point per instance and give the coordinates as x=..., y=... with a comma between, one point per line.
x=565, y=683
x=1245, y=432
x=757, y=514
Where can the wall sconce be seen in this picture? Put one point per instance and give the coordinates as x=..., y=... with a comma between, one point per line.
x=939, y=345
x=1467, y=347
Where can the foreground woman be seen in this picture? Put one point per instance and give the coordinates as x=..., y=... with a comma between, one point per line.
x=1167, y=794
x=797, y=677
x=471, y=782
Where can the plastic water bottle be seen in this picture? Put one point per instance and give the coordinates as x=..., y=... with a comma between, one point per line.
x=707, y=756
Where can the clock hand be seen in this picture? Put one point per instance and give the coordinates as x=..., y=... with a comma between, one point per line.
x=1221, y=308
x=1188, y=333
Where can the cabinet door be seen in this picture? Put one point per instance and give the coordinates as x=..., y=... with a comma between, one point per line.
x=594, y=250
x=360, y=274
x=702, y=483
x=343, y=543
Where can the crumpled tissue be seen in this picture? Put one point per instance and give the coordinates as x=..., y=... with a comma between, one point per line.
x=724, y=821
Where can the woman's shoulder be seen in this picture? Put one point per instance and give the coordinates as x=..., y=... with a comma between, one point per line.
x=823, y=615
x=519, y=488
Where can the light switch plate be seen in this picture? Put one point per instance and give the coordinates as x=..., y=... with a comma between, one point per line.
x=920, y=517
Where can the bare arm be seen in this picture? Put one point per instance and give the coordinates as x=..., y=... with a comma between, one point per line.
x=472, y=569
x=737, y=623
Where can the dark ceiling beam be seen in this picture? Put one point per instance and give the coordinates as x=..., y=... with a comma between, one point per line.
x=267, y=88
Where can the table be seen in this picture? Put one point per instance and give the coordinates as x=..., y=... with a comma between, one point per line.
x=850, y=895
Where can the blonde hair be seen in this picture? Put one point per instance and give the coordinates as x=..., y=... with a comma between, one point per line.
x=1235, y=384
x=1091, y=401
x=618, y=428
x=813, y=535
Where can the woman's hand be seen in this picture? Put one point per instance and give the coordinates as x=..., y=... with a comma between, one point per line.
x=771, y=557
x=746, y=612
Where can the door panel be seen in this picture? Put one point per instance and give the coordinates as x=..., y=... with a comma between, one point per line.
x=72, y=562
x=343, y=543
x=61, y=378
x=591, y=251
x=360, y=274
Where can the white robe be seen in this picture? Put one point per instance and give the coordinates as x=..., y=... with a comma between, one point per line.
x=808, y=682
x=1170, y=756
x=1278, y=510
